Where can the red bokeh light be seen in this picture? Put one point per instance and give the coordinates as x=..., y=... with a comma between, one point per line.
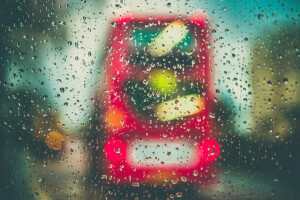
x=199, y=18
x=115, y=150
x=210, y=150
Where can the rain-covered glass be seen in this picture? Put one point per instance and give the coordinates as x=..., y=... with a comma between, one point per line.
x=149, y=99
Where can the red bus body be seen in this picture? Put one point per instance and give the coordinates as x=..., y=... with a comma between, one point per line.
x=193, y=136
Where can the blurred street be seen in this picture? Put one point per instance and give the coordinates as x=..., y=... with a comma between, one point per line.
x=53, y=59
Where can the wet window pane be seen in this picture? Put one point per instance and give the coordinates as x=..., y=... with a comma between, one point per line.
x=149, y=99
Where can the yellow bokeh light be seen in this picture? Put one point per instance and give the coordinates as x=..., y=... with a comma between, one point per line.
x=163, y=81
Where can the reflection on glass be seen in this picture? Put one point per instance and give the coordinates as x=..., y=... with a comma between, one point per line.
x=181, y=107
x=167, y=39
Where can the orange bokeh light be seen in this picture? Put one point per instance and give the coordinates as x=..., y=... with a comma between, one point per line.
x=115, y=118
x=54, y=140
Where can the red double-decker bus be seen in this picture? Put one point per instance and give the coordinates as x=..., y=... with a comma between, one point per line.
x=156, y=100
